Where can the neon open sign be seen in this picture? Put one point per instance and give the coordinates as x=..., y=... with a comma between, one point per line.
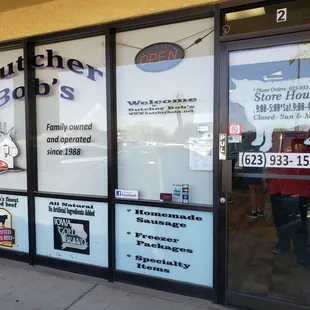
x=159, y=57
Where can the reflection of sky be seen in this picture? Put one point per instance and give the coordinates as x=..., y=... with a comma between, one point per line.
x=7, y=110
x=262, y=55
x=89, y=104
x=269, y=61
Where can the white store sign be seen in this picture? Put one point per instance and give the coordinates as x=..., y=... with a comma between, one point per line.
x=276, y=160
x=127, y=194
x=166, y=243
x=269, y=105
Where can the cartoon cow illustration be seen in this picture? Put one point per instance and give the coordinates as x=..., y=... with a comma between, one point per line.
x=270, y=105
x=8, y=149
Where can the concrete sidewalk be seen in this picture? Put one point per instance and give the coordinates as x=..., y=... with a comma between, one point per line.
x=30, y=288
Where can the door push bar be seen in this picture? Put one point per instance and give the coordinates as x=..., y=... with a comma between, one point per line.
x=226, y=164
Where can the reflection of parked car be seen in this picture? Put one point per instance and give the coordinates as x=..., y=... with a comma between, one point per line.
x=90, y=152
x=86, y=172
x=287, y=138
x=154, y=169
x=175, y=144
x=127, y=143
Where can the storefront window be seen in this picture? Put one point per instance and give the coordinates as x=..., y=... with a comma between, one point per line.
x=165, y=111
x=71, y=117
x=72, y=230
x=162, y=242
x=13, y=173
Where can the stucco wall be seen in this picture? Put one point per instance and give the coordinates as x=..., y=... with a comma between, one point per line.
x=68, y=14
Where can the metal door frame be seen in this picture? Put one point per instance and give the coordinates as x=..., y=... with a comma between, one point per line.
x=231, y=298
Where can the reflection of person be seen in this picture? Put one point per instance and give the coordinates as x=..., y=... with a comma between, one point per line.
x=274, y=190
x=257, y=197
x=256, y=189
x=290, y=211
x=229, y=195
x=273, y=186
x=256, y=192
x=292, y=217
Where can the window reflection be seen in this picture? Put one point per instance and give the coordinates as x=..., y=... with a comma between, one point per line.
x=165, y=110
x=268, y=211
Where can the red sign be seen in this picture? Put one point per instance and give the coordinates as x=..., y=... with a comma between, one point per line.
x=159, y=57
x=235, y=129
x=7, y=235
x=166, y=197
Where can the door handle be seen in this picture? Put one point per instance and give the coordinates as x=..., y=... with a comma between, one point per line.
x=226, y=175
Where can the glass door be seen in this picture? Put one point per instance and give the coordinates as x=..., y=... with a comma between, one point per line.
x=269, y=145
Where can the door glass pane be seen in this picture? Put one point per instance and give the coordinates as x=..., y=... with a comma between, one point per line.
x=269, y=143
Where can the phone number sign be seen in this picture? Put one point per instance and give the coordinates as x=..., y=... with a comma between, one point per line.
x=277, y=160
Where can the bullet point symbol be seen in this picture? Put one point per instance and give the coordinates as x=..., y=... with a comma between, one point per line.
x=128, y=233
x=128, y=210
x=128, y=255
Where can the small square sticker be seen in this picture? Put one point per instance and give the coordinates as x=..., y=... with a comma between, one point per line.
x=235, y=129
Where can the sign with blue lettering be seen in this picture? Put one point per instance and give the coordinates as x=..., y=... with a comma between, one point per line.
x=126, y=194
x=185, y=193
x=203, y=128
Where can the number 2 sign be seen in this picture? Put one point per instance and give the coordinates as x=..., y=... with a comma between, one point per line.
x=281, y=15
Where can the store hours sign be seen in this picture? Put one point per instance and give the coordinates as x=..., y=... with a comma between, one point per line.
x=166, y=243
x=269, y=105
